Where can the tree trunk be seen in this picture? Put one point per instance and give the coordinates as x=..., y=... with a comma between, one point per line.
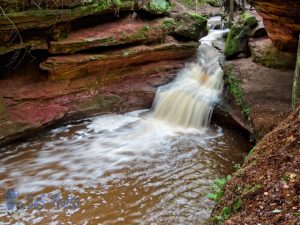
x=243, y=6
x=231, y=12
x=296, y=84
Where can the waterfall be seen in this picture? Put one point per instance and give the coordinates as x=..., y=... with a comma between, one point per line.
x=189, y=100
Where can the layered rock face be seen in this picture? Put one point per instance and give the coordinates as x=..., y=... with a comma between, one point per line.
x=88, y=57
x=282, y=21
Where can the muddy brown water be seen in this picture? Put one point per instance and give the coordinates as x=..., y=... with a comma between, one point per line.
x=143, y=167
x=118, y=169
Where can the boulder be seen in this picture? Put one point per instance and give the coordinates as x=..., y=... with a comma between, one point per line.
x=258, y=31
x=214, y=3
x=265, y=53
x=156, y=7
x=190, y=26
x=249, y=19
x=237, y=41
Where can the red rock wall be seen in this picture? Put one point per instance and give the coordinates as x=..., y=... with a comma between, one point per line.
x=282, y=21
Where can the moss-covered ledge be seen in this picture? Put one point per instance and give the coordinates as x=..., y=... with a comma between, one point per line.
x=46, y=17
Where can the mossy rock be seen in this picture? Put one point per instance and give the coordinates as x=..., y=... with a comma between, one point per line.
x=249, y=19
x=237, y=41
x=44, y=17
x=190, y=25
x=214, y=3
x=157, y=7
x=265, y=53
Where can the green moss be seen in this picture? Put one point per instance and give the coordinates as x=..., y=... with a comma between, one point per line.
x=249, y=154
x=190, y=25
x=117, y=2
x=251, y=189
x=108, y=41
x=158, y=7
x=232, y=43
x=215, y=3
x=226, y=212
x=12, y=128
x=248, y=19
x=192, y=3
x=236, y=91
x=102, y=103
x=146, y=28
x=168, y=23
x=237, y=41
x=269, y=56
x=47, y=17
x=126, y=52
x=200, y=19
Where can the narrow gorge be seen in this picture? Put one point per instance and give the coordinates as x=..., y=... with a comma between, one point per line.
x=146, y=111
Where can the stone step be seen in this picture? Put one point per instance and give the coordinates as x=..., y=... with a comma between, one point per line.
x=124, y=31
x=107, y=64
x=46, y=17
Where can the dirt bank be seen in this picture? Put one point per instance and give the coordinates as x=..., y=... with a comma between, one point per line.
x=266, y=189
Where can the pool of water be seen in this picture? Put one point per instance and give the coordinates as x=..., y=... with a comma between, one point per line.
x=117, y=169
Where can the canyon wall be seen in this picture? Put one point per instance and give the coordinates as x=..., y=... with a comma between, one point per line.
x=68, y=59
x=282, y=21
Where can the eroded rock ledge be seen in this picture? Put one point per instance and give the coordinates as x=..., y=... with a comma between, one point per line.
x=90, y=58
x=282, y=21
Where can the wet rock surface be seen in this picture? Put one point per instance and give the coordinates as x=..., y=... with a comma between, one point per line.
x=93, y=57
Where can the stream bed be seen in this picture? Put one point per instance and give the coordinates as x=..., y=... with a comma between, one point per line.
x=144, y=167
x=118, y=169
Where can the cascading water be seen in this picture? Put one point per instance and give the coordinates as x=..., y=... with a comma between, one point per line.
x=136, y=168
x=189, y=100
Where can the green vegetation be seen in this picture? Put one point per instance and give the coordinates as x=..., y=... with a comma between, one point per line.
x=218, y=189
x=101, y=103
x=286, y=178
x=251, y=189
x=168, y=23
x=157, y=7
x=236, y=91
x=226, y=212
x=46, y=17
x=237, y=166
x=215, y=3
x=297, y=214
x=193, y=3
x=190, y=25
x=236, y=205
x=237, y=40
x=248, y=19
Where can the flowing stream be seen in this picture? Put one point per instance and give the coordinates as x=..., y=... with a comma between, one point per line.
x=144, y=167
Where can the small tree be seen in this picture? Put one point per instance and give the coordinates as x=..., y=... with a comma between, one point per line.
x=243, y=6
x=296, y=84
x=231, y=11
